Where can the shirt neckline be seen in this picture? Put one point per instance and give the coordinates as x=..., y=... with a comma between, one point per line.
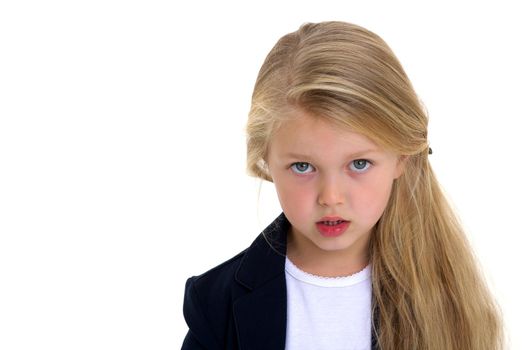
x=323, y=281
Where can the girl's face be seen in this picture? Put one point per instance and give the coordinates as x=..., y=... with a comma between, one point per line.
x=321, y=170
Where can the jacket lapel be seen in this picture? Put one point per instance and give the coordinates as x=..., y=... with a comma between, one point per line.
x=260, y=316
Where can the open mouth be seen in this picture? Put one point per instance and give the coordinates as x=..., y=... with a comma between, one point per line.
x=332, y=223
x=332, y=228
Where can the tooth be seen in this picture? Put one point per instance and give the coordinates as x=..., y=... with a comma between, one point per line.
x=332, y=223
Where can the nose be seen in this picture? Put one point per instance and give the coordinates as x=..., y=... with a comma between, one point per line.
x=331, y=192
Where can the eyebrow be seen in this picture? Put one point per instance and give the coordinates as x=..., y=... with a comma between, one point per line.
x=351, y=155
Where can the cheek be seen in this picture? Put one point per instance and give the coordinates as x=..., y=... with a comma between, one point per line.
x=293, y=196
x=373, y=199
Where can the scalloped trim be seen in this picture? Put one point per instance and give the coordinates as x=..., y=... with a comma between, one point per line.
x=325, y=281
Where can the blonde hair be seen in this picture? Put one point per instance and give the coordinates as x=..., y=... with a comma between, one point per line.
x=428, y=289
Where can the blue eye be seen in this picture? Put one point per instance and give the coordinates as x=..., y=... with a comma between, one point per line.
x=300, y=167
x=360, y=165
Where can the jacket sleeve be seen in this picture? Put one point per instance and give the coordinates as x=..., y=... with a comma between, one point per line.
x=199, y=336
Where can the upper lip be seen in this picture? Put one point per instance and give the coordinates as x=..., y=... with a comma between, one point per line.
x=332, y=218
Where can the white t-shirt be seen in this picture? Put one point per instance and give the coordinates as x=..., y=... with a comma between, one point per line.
x=328, y=312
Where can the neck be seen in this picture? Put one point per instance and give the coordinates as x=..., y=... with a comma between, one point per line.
x=329, y=263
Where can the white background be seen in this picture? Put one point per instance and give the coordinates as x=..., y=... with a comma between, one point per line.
x=122, y=151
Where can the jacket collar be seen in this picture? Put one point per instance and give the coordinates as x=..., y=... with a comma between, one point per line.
x=264, y=259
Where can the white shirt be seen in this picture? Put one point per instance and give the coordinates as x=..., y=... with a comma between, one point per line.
x=328, y=312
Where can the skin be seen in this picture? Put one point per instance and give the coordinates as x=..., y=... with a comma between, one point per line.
x=326, y=180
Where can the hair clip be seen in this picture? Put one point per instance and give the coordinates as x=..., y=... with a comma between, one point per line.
x=429, y=150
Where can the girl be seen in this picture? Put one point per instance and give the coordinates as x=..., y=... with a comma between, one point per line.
x=367, y=252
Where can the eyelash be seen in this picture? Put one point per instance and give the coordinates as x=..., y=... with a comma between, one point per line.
x=358, y=171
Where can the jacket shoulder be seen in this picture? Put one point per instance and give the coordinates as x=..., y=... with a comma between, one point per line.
x=208, y=302
x=220, y=275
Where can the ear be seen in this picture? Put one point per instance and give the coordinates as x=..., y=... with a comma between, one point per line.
x=266, y=167
x=400, y=166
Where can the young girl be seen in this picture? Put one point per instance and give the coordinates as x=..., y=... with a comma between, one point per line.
x=367, y=253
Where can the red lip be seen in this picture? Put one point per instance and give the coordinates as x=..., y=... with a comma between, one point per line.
x=332, y=230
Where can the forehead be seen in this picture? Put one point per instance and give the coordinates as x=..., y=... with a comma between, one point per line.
x=304, y=133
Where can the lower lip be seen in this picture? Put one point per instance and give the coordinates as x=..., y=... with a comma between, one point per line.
x=332, y=231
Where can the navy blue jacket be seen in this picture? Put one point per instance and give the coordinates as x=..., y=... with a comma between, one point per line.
x=241, y=304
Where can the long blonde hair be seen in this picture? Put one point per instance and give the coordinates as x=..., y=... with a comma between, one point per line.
x=428, y=289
